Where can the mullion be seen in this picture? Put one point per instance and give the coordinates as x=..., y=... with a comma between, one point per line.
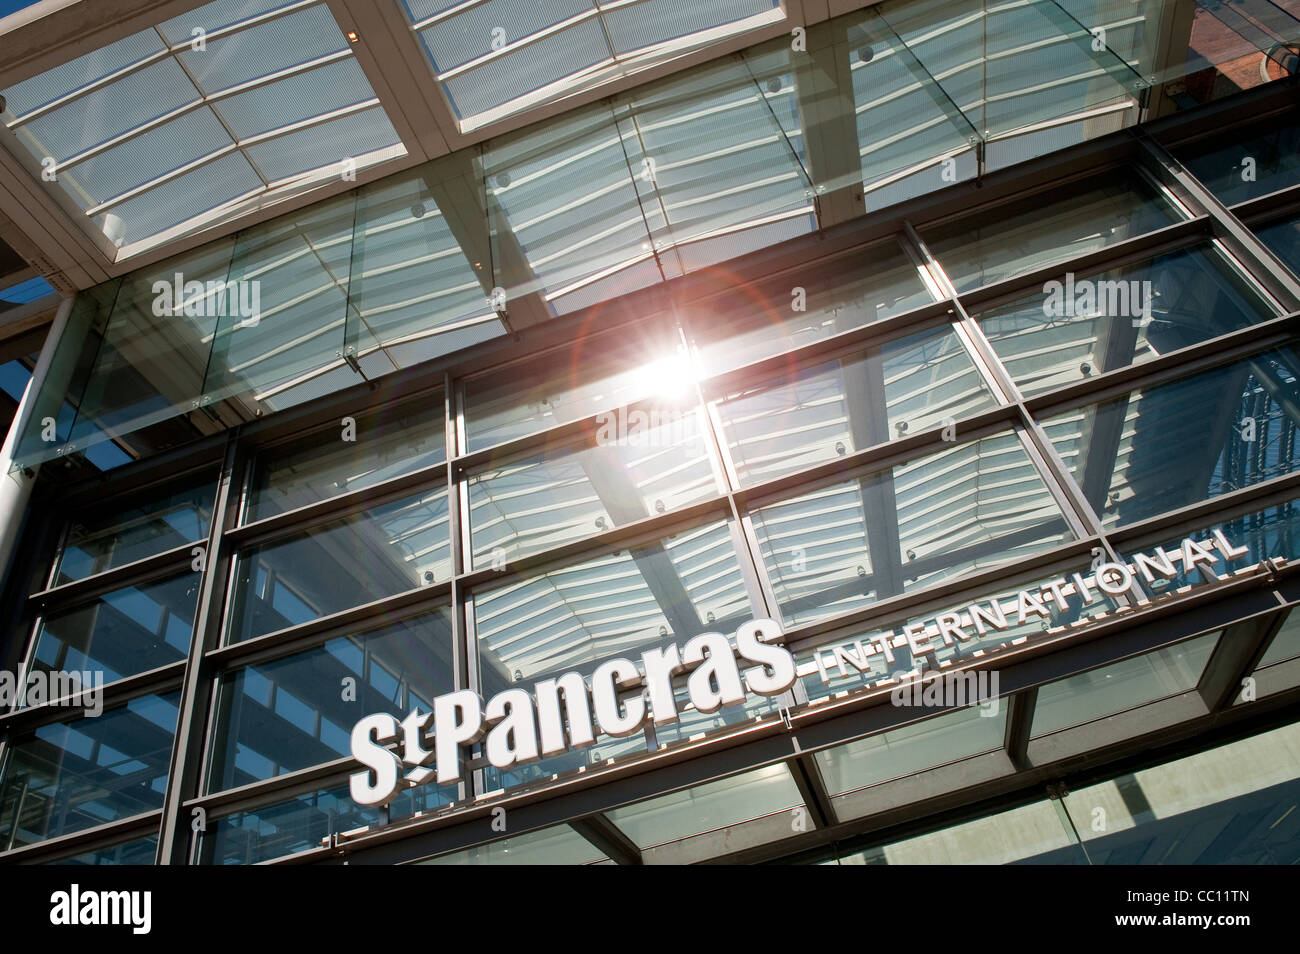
x=191, y=735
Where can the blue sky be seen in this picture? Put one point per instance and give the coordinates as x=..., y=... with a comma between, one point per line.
x=9, y=6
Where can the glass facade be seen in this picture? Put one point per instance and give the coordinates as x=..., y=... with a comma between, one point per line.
x=701, y=403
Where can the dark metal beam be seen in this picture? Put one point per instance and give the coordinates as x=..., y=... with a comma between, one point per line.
x=1020, y=717
x=185, y=768
x=609, y=838
x=808, y=779
x=1235, y=657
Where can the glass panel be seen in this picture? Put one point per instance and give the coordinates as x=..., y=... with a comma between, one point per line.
x=141, y=851
x=573, y=618
x=297, y=711
x=123, y=632
x=845, y=546
x=638, y=26
x=341, y=460
x=596, y=375
x=116, y=129
x=709, y=156
x=1123, y=685
x=1283, y=238
x=1170, y=445
x=563, y=202
x=903, y=118
x=413, y=290
x=59, y=396
x=839, y=294
x=1010, y=66
x=849, y=668
x=542, y=65
x=1271, y=532
x=67, y=777
x=694, y=725
x=1077, y=327
x=851, y=403
x=1196, y=51
x=383, y=551
x=1233, y=805
x=1250, y=163
x=1028, y=233
x=565, y=47
x=289, y=280
x=301, y=823
x=1030, y=834
x=1285, y=645
x=630, y=472
x=912, y=748
x=560, y=845
x=155, y=347
x=708, y=807
x=166, y=520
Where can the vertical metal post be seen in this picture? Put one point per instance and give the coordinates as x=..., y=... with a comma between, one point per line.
x=184, y=773
x=16, y=485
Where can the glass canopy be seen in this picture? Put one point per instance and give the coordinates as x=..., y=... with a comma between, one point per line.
x=200, y=114
x=493, y=58
x=663, y=180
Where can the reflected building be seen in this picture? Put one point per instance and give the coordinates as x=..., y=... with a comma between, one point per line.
x=359, y=353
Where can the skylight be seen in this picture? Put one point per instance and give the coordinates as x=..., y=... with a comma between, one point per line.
x=494, y=58
x=201, y=116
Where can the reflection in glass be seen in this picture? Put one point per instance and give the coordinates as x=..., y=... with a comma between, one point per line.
x=563, y=198
x=995, y=244
x=412, y=289
x=903, y=117
x=1169, y=445
x=383, y=551
x=1086, y=325
x=1283, y=238
x=1231, y=805
x=325, y=464
x=302, y=823
x=595, y=375
x=1250, y=163
x=843, y=676
x=123, y=632
x=726, y=178
x=847, y=404
x=1030, y=834
x=1123, y=685
x=639, y=464
x=299, y=266
x=1010, y=66
x=693, y=724
x=294, y=712
x=853, y=290
x=1285, y=644
x=843, y=547
x=67, y=777
x=148, y=368
x=141, y=851
x=624, y=603
x=99, y=542
x=708, y=807
x=560, y=845
x=912, y=748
